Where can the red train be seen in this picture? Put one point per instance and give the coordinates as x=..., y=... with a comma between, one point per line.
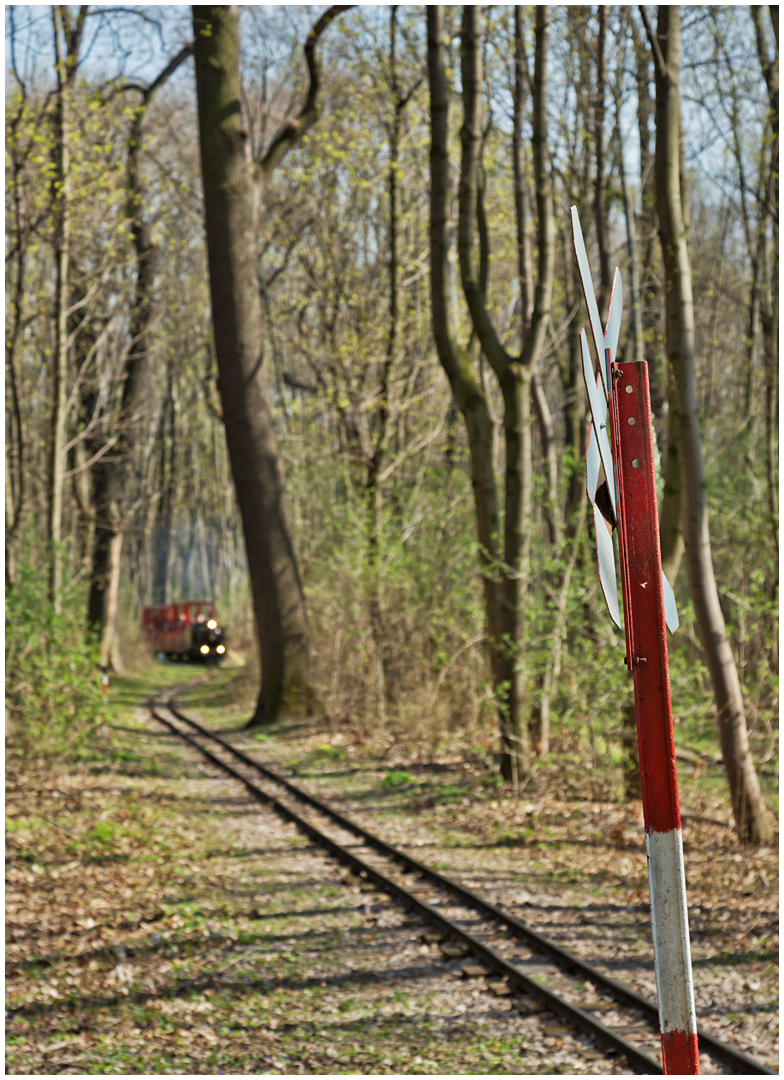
x=186, y=631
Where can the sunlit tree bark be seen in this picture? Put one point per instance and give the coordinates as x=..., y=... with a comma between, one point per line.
x=233, y=185
x=67, y=44
x=505, y=596
x=15, y=460
x=459, y=361
x=769, y=299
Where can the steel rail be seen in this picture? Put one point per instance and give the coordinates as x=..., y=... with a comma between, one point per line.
x=565, y=959
x=574, y=1015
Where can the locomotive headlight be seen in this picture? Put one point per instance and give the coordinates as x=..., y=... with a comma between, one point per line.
x=211, y=624
x=221, y=649
x=204, y=649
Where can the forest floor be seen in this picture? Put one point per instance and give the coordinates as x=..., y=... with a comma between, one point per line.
x=158, y=921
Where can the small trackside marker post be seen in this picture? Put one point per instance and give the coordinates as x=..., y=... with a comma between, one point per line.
x=105, y=690
x=649, y=609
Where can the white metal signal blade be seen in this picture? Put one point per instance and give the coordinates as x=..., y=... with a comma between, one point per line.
x=670, y=607
x=606, y=559
x=590, y=298
x=613, y=330
x=611, y=334
x=592, y=459
x=599, y=415
x=593, y=462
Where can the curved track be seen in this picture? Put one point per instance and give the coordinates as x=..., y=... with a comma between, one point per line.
x=492, y=936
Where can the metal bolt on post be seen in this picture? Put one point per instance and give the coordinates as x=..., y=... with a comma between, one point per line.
x=619, y=398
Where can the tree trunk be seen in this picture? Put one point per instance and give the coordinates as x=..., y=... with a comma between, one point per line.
x=671, y=513
x=662, y=383
x=374, y=494
x=600, y=181
x=575, y=419
x=524, y=256
x=16, y=451
x=15, y=460
x=526, y=276
x=652, y=331
x=167, y=466
x=769, y=305
x=109, y=653
x=518, y=482
x=544, y=422
x=61, y=196
x=456, y=360
x=753, y=326
x=232, y=189
x=204, y=561
x=637, y=349
x=109, y=477
x=514, y=373
x=67, y=44
x=750, y=816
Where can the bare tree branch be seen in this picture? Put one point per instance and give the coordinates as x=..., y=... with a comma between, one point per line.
x=294, y=131
x=654, y=43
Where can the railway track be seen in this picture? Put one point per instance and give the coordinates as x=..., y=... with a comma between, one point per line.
x=505, y=947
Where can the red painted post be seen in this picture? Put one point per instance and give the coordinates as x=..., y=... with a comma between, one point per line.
x=646, y=643
x=649, y=608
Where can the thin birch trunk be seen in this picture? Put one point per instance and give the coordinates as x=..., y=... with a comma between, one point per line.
x=167, y=465
x=15, y=461
x=62, y=191
x=373, y=485
x=671, y=514
x=544, y=420
x=769, y=306
x=600, y=181
x=652, y=328
x=637, y=338
x=575, y=420
x=204, y=560
x=109, y=646
x=67, y=44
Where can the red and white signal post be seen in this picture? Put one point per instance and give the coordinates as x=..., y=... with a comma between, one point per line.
x=620, y=405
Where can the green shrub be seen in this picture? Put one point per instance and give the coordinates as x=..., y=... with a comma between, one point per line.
x=53, y=680
x=331, y=753
x=397, y=779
